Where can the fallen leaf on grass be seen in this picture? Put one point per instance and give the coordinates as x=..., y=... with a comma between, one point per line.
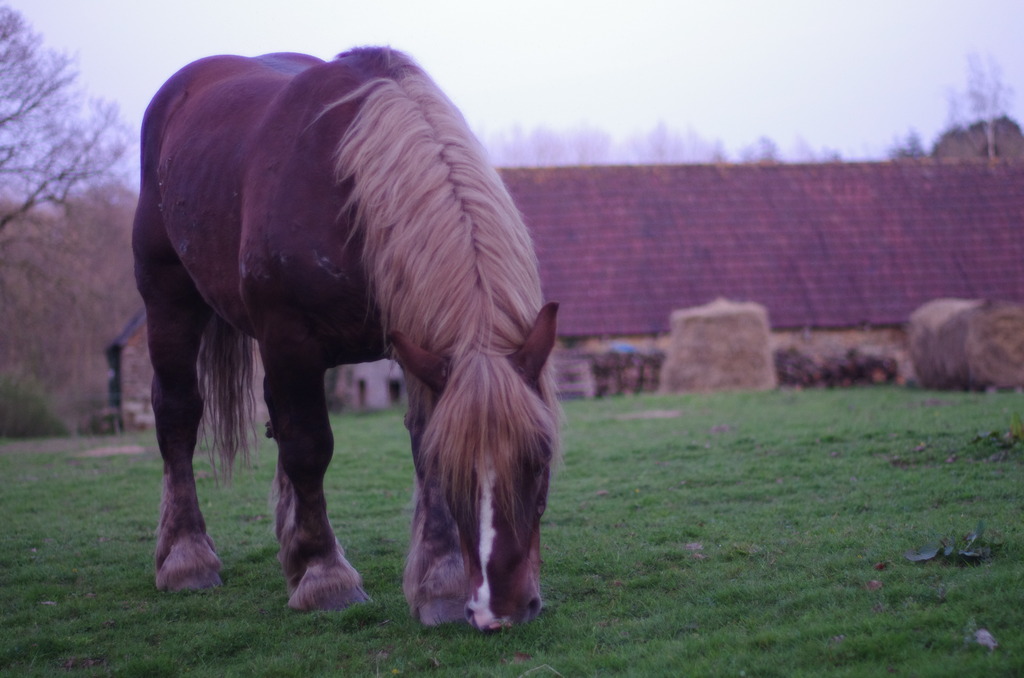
x=946, y=549
x=873, y=585
x=694, y=546
x=926, y=552
x=983, y=637
x=521, y=657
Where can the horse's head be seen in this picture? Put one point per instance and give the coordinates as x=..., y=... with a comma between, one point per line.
x=491, y=439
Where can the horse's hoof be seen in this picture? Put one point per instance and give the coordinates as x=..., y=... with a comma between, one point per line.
x=190, y=564
x=442, y=611
x=331, y=601
x=331, y=585
x=339, y=600
x=190, y=581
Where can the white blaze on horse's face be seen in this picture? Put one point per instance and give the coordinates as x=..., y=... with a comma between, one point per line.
x=478, y=610
x=504, y=574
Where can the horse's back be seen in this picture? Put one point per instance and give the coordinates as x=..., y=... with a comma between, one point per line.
x=197, y=135
x=238, y=183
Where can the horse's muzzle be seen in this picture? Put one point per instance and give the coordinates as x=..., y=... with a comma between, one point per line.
x=484, y=620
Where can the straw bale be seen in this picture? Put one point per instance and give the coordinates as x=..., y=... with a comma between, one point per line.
x=723, y=345
x=995, y=345
x=936, y=337
x=960, y=344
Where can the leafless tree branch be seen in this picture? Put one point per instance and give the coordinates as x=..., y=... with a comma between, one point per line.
x=52, y=141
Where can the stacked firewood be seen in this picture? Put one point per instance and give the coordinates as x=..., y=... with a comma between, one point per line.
x=617, y=372
x=855, y=368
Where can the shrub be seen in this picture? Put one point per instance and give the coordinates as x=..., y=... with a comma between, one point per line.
x=25, y=411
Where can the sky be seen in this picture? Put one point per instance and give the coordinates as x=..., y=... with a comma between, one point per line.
x=829, y=75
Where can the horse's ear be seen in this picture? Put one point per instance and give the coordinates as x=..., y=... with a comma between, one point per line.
x=431, y=369
x=534, y=352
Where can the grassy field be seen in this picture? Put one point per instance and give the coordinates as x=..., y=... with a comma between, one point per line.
x=721, y=535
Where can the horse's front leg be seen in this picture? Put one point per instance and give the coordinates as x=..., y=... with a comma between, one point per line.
x=435, y=583
x=435, y=578
x=314, y=564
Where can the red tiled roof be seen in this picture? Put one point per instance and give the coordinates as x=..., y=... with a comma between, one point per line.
x=825, y=245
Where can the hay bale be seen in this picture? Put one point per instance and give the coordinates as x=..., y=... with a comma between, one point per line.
x=961, y=344
x=936, y=338
x=723, y=345
x=995, y=345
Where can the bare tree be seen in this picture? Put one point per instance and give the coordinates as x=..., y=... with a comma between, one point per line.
x=986, y=99
x=545, y=147
x=910, y=147
x=66, y=288
x=52, y=141
x=583, y=145
x=663, y=145
x=763, y=151
x=588, y=146
x=65, y=215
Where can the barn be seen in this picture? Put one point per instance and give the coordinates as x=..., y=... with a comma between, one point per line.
x=840, y=254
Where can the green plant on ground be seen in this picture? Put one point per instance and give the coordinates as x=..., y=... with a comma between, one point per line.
x=971, y=550
x=757, y=534
x=1002, y=442
x=1016, y=432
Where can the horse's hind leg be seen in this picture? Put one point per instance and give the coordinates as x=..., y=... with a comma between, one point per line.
x=185, y=558
x=314, y=564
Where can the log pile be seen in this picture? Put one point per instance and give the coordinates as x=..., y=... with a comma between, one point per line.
x=574, y=374
x=852, y=369
x=617, y=372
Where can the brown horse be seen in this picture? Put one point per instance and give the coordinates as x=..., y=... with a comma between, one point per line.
x=338, y=212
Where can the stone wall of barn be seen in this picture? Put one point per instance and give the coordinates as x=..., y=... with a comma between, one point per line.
x=625, y=364
x=136, y=383
x=137, y=379
x=586, y=367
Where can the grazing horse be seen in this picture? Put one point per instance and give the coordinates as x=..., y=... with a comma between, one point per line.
x=331, y=213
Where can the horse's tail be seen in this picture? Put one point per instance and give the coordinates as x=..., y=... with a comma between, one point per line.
x=225, y=379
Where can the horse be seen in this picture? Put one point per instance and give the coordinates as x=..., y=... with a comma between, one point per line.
x=335, y=212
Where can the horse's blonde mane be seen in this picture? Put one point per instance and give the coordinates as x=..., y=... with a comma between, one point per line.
x=451, y=266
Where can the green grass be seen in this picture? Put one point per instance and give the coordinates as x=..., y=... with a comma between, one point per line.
x=745, y=534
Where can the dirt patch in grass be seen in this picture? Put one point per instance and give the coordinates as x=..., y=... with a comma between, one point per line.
x=53, y=445
x=651, y=414
x=82, y=447
x=112, y=451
